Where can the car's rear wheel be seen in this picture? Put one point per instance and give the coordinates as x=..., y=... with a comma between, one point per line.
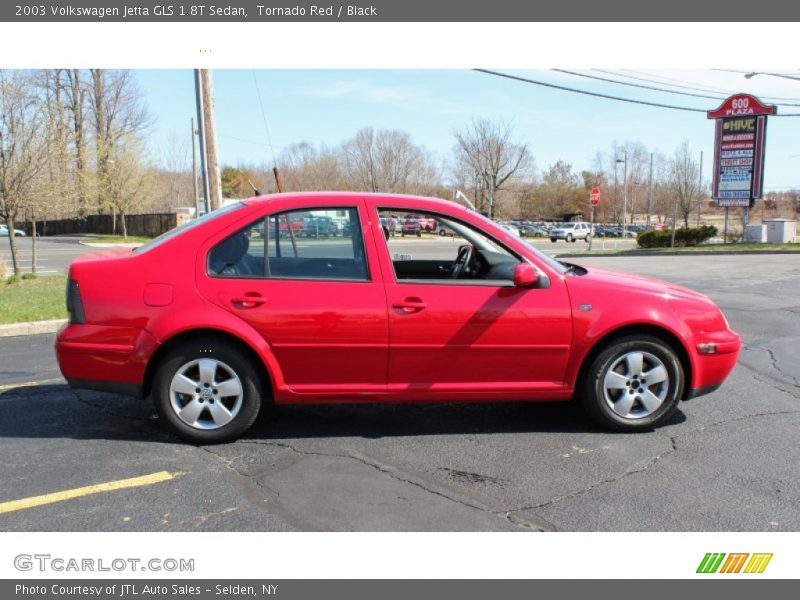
x=207, y=392
x=633, y=384
x=552, y=239
x=569, y=237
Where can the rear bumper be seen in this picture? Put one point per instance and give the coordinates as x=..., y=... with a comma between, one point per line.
x=105, y=358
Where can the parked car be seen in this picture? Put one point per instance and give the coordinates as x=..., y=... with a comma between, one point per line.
x=510, y=229
x=389, y=225
x=316, y=227
x=571, y=232
x=212, y=327
x=411, y=226
x=532, y=231
x=17, y=232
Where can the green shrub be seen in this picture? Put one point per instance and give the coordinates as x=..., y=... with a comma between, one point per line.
x=685, y=236
x=12, y=280
x=29, y=276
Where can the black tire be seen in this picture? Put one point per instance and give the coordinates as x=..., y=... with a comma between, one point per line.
x=569, y=238
x=252, y=389
x=599, y=405
x=553, y=240
x=419, y=233
x=442, y=233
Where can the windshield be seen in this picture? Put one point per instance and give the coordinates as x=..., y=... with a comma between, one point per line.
x=187, y=225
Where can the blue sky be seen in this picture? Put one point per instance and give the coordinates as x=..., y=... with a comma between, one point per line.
x=328, y=106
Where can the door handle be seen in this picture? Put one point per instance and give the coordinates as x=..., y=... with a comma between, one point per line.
x=249, y=300
x=410, y=305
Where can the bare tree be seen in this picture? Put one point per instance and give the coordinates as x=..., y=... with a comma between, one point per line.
x=387, y=161
x=129, y=183
x=310, y=169
x=682, y=180
x=118, y=112
x=75, y=92
x=486, y=150
x=23, y=149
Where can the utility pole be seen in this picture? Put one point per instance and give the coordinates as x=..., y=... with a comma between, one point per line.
x=194, y=172
x=650, y=192
x=214, y=183
x=700, y=189
x=201, y=132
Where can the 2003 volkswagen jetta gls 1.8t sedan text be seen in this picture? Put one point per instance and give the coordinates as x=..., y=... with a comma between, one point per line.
x=240, y=308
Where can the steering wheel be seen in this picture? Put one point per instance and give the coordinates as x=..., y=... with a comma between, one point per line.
x=462, y=261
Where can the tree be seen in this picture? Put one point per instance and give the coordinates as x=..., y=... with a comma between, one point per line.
x=564, y=190
x=307, y=168
x=488, y=158
x=23, y=149
x=387, y=161
x=682, y=180
x=129, y=183
x=236, y=183
x=118, y=113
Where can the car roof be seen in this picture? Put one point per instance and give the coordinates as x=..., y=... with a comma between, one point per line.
x=414, y=202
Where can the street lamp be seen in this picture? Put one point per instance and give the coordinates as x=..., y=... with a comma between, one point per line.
x=754, y=73
x=624, y=193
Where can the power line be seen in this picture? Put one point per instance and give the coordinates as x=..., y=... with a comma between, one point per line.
x=664, y=80
x=649, y=87
x=606, y=96
x=264, y=117
x=637, y=85
x=587, y=93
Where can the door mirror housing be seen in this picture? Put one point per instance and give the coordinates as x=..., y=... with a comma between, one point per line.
x=526, y=276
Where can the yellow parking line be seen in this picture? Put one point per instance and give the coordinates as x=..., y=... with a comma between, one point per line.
x=33, y=501
x=11, y=386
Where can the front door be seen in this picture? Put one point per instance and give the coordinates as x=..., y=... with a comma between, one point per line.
x=475, y=332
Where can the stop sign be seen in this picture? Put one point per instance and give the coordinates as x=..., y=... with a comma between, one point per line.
x=594, y=197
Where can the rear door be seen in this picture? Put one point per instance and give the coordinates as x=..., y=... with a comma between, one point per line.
x=318, y=301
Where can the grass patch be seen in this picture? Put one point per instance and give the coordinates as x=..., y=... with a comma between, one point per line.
x=115, y=239
x=36, y=299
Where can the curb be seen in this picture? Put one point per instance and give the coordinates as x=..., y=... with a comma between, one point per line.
x=686, y=253
x=105, y=245
x=31, y=328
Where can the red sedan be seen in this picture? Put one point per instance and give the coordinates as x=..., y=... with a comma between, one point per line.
x=224, y=314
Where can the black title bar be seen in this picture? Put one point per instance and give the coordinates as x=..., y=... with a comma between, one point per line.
x=600, y=11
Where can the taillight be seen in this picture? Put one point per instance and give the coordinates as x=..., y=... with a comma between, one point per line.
x=74, y=303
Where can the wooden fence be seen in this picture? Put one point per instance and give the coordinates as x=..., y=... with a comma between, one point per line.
x=149, y=225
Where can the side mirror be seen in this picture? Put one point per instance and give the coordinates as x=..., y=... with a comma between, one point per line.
x=526, y=276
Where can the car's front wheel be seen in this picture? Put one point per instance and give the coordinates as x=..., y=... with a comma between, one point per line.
x=207, y=391
x=633, y=384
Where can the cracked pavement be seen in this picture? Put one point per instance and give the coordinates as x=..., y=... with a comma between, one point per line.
x=727, y=461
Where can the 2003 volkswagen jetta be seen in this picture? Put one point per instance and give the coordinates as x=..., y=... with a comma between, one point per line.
x=256, y=303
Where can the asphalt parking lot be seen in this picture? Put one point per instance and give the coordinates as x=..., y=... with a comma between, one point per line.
x=53, y=254
x=727, y=461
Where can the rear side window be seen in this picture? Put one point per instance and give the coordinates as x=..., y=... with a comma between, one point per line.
x=323, y=243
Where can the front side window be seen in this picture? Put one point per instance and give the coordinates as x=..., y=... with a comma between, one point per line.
x=435, y=247
x=302, y=244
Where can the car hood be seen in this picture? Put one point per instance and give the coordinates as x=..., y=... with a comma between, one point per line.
x=614, y=280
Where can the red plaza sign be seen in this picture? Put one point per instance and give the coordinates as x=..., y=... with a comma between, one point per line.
x=739, y=149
